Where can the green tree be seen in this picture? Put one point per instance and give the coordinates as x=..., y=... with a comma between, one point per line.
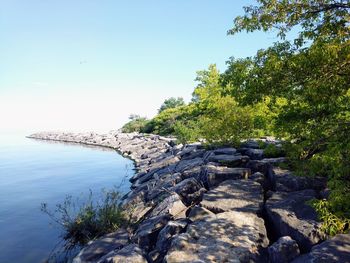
x=312, y=76
x=171, y=103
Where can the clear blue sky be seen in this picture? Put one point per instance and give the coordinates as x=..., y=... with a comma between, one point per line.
x=87, y=64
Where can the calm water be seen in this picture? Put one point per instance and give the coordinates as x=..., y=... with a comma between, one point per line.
x=33, y=172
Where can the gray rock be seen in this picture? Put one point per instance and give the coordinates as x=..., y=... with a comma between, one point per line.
x=171, y=205
x=228, y=151
x=238, y=195
x=199, y=213
x=214, y=175
x=131, y=253
x=254, y=154
x=284, y=250
x=289, y=215
x=336, y=249
x=250, y=144
x=227, y=237
x=147, y=232
x=229, y=160
x=166, y=234
x=258, y=177
x=188, y=164
x=102, y=246
x=185, y=188
x=196, y=197
x=288, y=182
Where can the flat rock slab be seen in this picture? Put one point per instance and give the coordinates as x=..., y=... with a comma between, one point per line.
x=102, y=246
x=131, y=253
x=213, y=175
x=225, y=151
x=289, y=215
x=288, y=182
x=229, y=160
x=336, y=249
x=227, y=237
x=238, y=195
x=188, y=164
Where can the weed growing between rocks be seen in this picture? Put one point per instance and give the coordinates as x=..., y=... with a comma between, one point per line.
x=85, y=220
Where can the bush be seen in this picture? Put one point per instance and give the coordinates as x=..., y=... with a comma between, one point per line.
x=136, y=124
x=83, y=221
x=272, y=151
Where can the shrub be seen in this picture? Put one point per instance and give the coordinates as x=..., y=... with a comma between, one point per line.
x=136, y=124
x=272, y=151
x=83, y=221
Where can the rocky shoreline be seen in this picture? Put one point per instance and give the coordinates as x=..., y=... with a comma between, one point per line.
x=198, y=204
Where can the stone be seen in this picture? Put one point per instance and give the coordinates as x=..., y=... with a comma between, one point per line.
x=259, y=178
x=166, y=234
x=228, y=151
x=213, y=175
x=289, y=215
x=171, y=205
x=229, y=160
x=227, y=237
x=186, y=187
x=250, y=144
x=199, y=213
x=188, y=164
x=238, y=195
x=130, y=253
x=336, y=249
x=165, y=162
x=147, y=232
x=102, y=246
x=196, y=197
x=254, y=154
x=288, y=182
x=284, y=250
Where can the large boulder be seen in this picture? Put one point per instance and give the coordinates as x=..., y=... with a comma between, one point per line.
x=238, y=195
x=290, y=215
x=187, y=187
x=166, y=234
x=286, y=181
x=284, y=250
x=228, y=151
x=229, y=160
x=188, y=164
x=198, y=213
x=336, y=249
x=171, y=205
x=147, y=233
x=102, y=246
x=213, y=175
x=130, y=253
x=227, y=237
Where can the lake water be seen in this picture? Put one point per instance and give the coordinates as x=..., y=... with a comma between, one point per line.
x=33, y=172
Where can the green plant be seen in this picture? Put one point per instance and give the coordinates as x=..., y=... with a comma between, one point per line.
x=83, y=221
x=136, y=124
x=272, y=151
x=331, y=223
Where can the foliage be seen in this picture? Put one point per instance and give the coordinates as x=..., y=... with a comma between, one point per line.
x=187, y=132
x=171, y=103
x=136, y=124
x=312, y=75
x=83, y=221
x=164, y=122
x=332, y=224
x=273, y=151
